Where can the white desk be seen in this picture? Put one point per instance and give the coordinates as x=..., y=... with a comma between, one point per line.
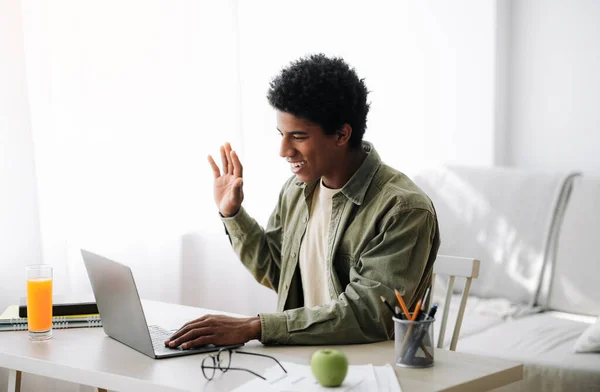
x=87, y=356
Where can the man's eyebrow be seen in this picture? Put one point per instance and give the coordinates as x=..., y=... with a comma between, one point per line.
x=294, y=132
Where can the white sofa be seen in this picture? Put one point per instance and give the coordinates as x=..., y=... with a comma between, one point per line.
x=536, y=235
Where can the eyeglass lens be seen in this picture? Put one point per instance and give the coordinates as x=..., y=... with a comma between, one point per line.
x=224, y=360
x=208, y=369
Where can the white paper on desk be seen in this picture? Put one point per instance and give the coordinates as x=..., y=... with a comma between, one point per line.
x=386, y=379
x=300, y=378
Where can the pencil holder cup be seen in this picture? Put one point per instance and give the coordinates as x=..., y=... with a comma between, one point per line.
x=413, y=343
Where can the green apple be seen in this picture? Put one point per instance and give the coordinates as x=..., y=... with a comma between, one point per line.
x=329, y=366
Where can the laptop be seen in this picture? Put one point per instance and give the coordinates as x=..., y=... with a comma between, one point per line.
x=122, y=313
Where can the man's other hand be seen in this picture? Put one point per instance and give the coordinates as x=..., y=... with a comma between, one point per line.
x=228, y=185
x=216, y=329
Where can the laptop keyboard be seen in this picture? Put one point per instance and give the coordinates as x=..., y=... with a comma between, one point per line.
x=158, y=336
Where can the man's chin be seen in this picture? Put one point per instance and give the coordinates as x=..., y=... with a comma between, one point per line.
x=305, y=178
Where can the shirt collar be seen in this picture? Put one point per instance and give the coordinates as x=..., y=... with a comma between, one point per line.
x=356, y=187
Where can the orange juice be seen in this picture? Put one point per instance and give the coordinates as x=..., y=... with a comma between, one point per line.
x=39, y=304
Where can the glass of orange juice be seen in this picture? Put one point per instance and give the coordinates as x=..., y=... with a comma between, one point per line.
x=39, y=301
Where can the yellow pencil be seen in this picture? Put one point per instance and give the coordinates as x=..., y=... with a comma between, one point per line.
x=418, y=305
x=402, y=304
x=416, y=312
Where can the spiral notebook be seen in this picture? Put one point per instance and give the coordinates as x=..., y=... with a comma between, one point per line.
x=10, y=320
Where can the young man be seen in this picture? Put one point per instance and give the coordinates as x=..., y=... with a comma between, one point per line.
x=346, y=230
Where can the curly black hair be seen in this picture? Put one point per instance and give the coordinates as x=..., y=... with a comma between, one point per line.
x=324, y=91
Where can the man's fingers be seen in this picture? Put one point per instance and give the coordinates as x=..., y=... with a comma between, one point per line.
x=238, y=183
x=238, y=169
x=197, y=323
x=203, y=340
x=224, y=160
x=183, y=330
x=214, y=167
x=190, y=335
x=187, y=336
x=229, y=160
x=238, y=192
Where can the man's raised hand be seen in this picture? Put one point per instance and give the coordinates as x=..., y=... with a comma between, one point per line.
x=228, y=185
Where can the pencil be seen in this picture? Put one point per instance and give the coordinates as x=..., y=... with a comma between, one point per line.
x=388, y=305
x=416, y=312
x=419, y=304
x=402, y=304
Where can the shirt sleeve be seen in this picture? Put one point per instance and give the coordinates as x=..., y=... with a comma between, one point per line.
x=400, y=257
x=258, y=249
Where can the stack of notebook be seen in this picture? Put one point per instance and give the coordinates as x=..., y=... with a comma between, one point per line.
x=65, y=315
x=64, y=307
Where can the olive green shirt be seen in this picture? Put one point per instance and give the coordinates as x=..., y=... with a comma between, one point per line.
x=383, y=235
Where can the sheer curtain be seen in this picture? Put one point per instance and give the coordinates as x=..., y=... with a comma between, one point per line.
x=129, y=97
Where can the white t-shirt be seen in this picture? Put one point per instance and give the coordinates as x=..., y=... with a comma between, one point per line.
x=313, y=250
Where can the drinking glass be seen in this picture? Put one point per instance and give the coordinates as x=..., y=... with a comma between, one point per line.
x=39, y=301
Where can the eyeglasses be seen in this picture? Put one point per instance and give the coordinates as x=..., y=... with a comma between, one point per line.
x=222, y=361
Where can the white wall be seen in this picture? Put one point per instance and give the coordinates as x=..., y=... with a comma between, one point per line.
x=19, y=223
x=429, y=67
x=554, y=92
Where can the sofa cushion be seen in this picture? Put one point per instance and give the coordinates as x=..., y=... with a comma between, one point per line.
x=544, y=343
x=501, y=216
x=480, y=314
x=589, y=341
x=574, y=286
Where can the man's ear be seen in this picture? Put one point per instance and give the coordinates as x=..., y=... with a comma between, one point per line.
x=343, y=134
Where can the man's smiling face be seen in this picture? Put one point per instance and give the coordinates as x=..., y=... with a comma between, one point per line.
x=310, y=152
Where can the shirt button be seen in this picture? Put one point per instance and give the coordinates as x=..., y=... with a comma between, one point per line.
x=305, y=219
x=285, y=286
x=293, y=254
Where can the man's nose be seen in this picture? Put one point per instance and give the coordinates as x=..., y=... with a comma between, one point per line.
x=285, y=149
